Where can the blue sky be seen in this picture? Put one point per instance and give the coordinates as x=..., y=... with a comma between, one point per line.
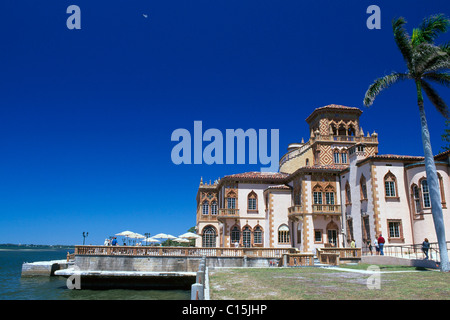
x=86, y=116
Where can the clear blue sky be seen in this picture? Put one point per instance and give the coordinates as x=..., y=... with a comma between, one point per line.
x=86, y=115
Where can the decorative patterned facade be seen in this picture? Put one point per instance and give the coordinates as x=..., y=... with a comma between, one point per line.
x=329, y=190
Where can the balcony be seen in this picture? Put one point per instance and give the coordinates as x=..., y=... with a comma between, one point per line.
x=333, y=209
x=228, y=213
x=295, y=211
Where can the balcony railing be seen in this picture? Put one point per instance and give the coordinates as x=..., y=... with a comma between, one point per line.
x=326, y=208
x=228, y=212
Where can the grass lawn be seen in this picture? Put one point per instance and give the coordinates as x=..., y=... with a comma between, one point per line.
x=327, y=284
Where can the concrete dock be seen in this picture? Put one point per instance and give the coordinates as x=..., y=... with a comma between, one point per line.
x=44, y=268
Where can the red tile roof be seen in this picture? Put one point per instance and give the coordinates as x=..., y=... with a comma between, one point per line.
x=258, y=175
x=280, y=186
x=333, y=107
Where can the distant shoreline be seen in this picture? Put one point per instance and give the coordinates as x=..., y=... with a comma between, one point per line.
x=9, y=246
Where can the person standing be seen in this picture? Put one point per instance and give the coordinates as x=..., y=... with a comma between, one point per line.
x=369, y=244
x=377, y=247
x=425, y=247
x=114, y=242
x=381, y=242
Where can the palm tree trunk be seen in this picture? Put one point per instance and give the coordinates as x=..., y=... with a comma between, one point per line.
x=433, y=184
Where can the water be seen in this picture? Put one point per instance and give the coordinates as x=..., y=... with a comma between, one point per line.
x=14, y=287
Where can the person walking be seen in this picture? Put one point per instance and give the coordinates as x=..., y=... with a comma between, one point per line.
x=381, y=242
x=425, y=247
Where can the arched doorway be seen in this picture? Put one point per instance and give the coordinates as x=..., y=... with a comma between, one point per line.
x=333, y=233
x=209, y=237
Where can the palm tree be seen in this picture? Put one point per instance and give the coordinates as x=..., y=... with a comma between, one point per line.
x=426, y=62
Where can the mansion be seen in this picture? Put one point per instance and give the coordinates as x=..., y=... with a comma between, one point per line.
x=329, y=190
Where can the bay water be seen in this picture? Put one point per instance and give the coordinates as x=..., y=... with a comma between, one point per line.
x=14, y=287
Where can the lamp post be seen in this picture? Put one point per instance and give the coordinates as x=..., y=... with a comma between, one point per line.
x=147, y=235
x=85, y=234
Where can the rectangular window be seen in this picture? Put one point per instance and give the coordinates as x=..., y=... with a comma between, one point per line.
x=364, y=191
x=344, y=157
x=390, y=188
x=257, y=236
x=231, y=203
x=317, y=197
x=426, y=194
x=251, y=204
x=317, y=235
x=283, y=237
x=329, y=197
x=416, y=199
x=214, y=208
x=205, y=208
x=336, y=157
x=394, y=229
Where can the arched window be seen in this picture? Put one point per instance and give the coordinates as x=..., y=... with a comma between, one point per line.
x=317, y=195
x=252, y=201
x=235, y=235
x=425, y=194
x=247, y=237
x=205, y=207
x=348, y=194
x=390, y=185
x=363, y=186
x=342, y=131
x=214, y=207
x=344, y=157
x=329, y=195
x=209, y=237
x=307, y=161
x=416, y=197
x=333, y=129
x=441, y=187
x=283, y=234
x=351, y=131
x=257, y=235
x=336, y=156
x=231, y=200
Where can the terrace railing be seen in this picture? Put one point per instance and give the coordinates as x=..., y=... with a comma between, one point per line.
x=141, y=251
x=414, y=251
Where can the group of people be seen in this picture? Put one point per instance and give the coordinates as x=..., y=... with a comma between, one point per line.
x=379, y=241
x=110, y=242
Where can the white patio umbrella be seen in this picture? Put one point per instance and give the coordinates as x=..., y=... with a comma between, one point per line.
x=125, y=233
x=150, y=240
x=180, y=240
x=135, y=235
x=189, y=235
x=164, y=236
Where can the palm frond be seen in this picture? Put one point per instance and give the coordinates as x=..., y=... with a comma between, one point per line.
x=445, y=47
x=435, y=99
x=431, y=27
x=438, y=77
x=425, y=56
x=380, y=84
x=402, y=39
